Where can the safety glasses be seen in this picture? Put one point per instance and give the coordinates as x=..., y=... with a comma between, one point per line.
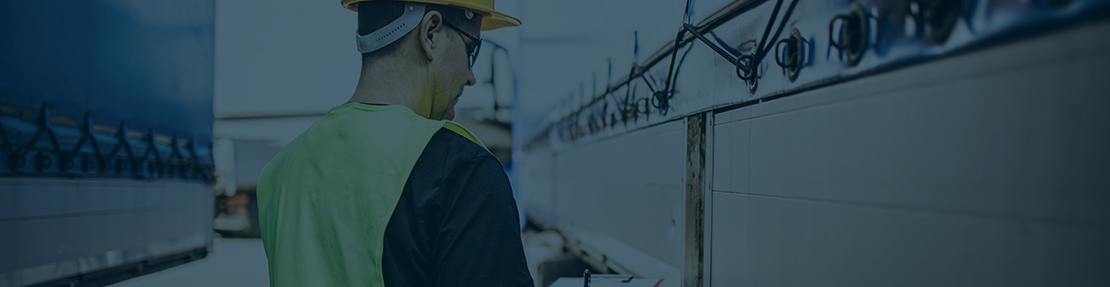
x=473, y=48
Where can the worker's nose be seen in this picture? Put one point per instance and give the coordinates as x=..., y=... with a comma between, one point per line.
x=470, y=80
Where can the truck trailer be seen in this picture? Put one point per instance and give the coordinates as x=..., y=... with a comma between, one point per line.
x=837, y=143
x=105, y=138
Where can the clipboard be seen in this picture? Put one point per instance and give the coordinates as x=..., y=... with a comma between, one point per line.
x=606, y=280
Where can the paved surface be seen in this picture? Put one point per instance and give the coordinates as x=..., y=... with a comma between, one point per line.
x=235, y=262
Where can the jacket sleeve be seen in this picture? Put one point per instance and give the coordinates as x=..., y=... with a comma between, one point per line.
x=479, y=242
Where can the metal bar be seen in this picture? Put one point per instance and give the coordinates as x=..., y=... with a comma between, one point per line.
x=8, y=148
x=707, y=199
x=707, y=24
x=47, y=114
x=695, y=211
x=89, y=133
x=714, y=46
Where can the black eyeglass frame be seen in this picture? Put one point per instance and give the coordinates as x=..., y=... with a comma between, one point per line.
x=473, y=55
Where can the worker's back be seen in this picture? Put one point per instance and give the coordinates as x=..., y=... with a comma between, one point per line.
x=325, y=199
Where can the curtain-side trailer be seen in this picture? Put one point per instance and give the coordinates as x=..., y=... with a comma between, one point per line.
x=841, y=143
x=105, y=135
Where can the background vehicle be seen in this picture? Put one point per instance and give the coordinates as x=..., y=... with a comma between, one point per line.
x=105, y=138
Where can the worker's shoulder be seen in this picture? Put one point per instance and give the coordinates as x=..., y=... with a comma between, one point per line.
x=455, y=148
x=448, y=154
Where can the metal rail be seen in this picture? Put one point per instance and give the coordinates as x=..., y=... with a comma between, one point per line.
x=134, y=154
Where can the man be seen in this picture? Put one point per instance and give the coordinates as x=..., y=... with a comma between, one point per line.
x=385, y=190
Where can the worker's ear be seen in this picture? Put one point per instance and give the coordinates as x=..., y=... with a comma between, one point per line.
x=431, y=33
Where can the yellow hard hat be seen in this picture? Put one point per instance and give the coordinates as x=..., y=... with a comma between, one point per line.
x=492, y=19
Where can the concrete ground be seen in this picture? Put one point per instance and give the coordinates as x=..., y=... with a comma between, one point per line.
x=235, y=262
x=241, y=262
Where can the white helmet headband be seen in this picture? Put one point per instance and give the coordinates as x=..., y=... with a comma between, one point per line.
x=414, y=12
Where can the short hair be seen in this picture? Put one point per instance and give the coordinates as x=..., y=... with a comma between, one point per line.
x=374, y=15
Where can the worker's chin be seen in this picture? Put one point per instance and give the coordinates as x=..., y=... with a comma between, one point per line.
x=450, y=114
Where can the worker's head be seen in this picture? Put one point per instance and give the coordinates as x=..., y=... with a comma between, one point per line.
x=440, y=41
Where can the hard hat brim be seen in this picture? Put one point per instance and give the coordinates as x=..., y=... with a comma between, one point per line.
x=492, y=20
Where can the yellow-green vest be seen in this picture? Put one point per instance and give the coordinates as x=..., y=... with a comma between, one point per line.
x=325, y=199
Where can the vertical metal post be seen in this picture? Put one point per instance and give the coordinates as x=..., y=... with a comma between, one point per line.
x=707, y=199
x=695, y=212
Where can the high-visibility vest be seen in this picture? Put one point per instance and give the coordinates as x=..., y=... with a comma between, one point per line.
x=325, y=199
